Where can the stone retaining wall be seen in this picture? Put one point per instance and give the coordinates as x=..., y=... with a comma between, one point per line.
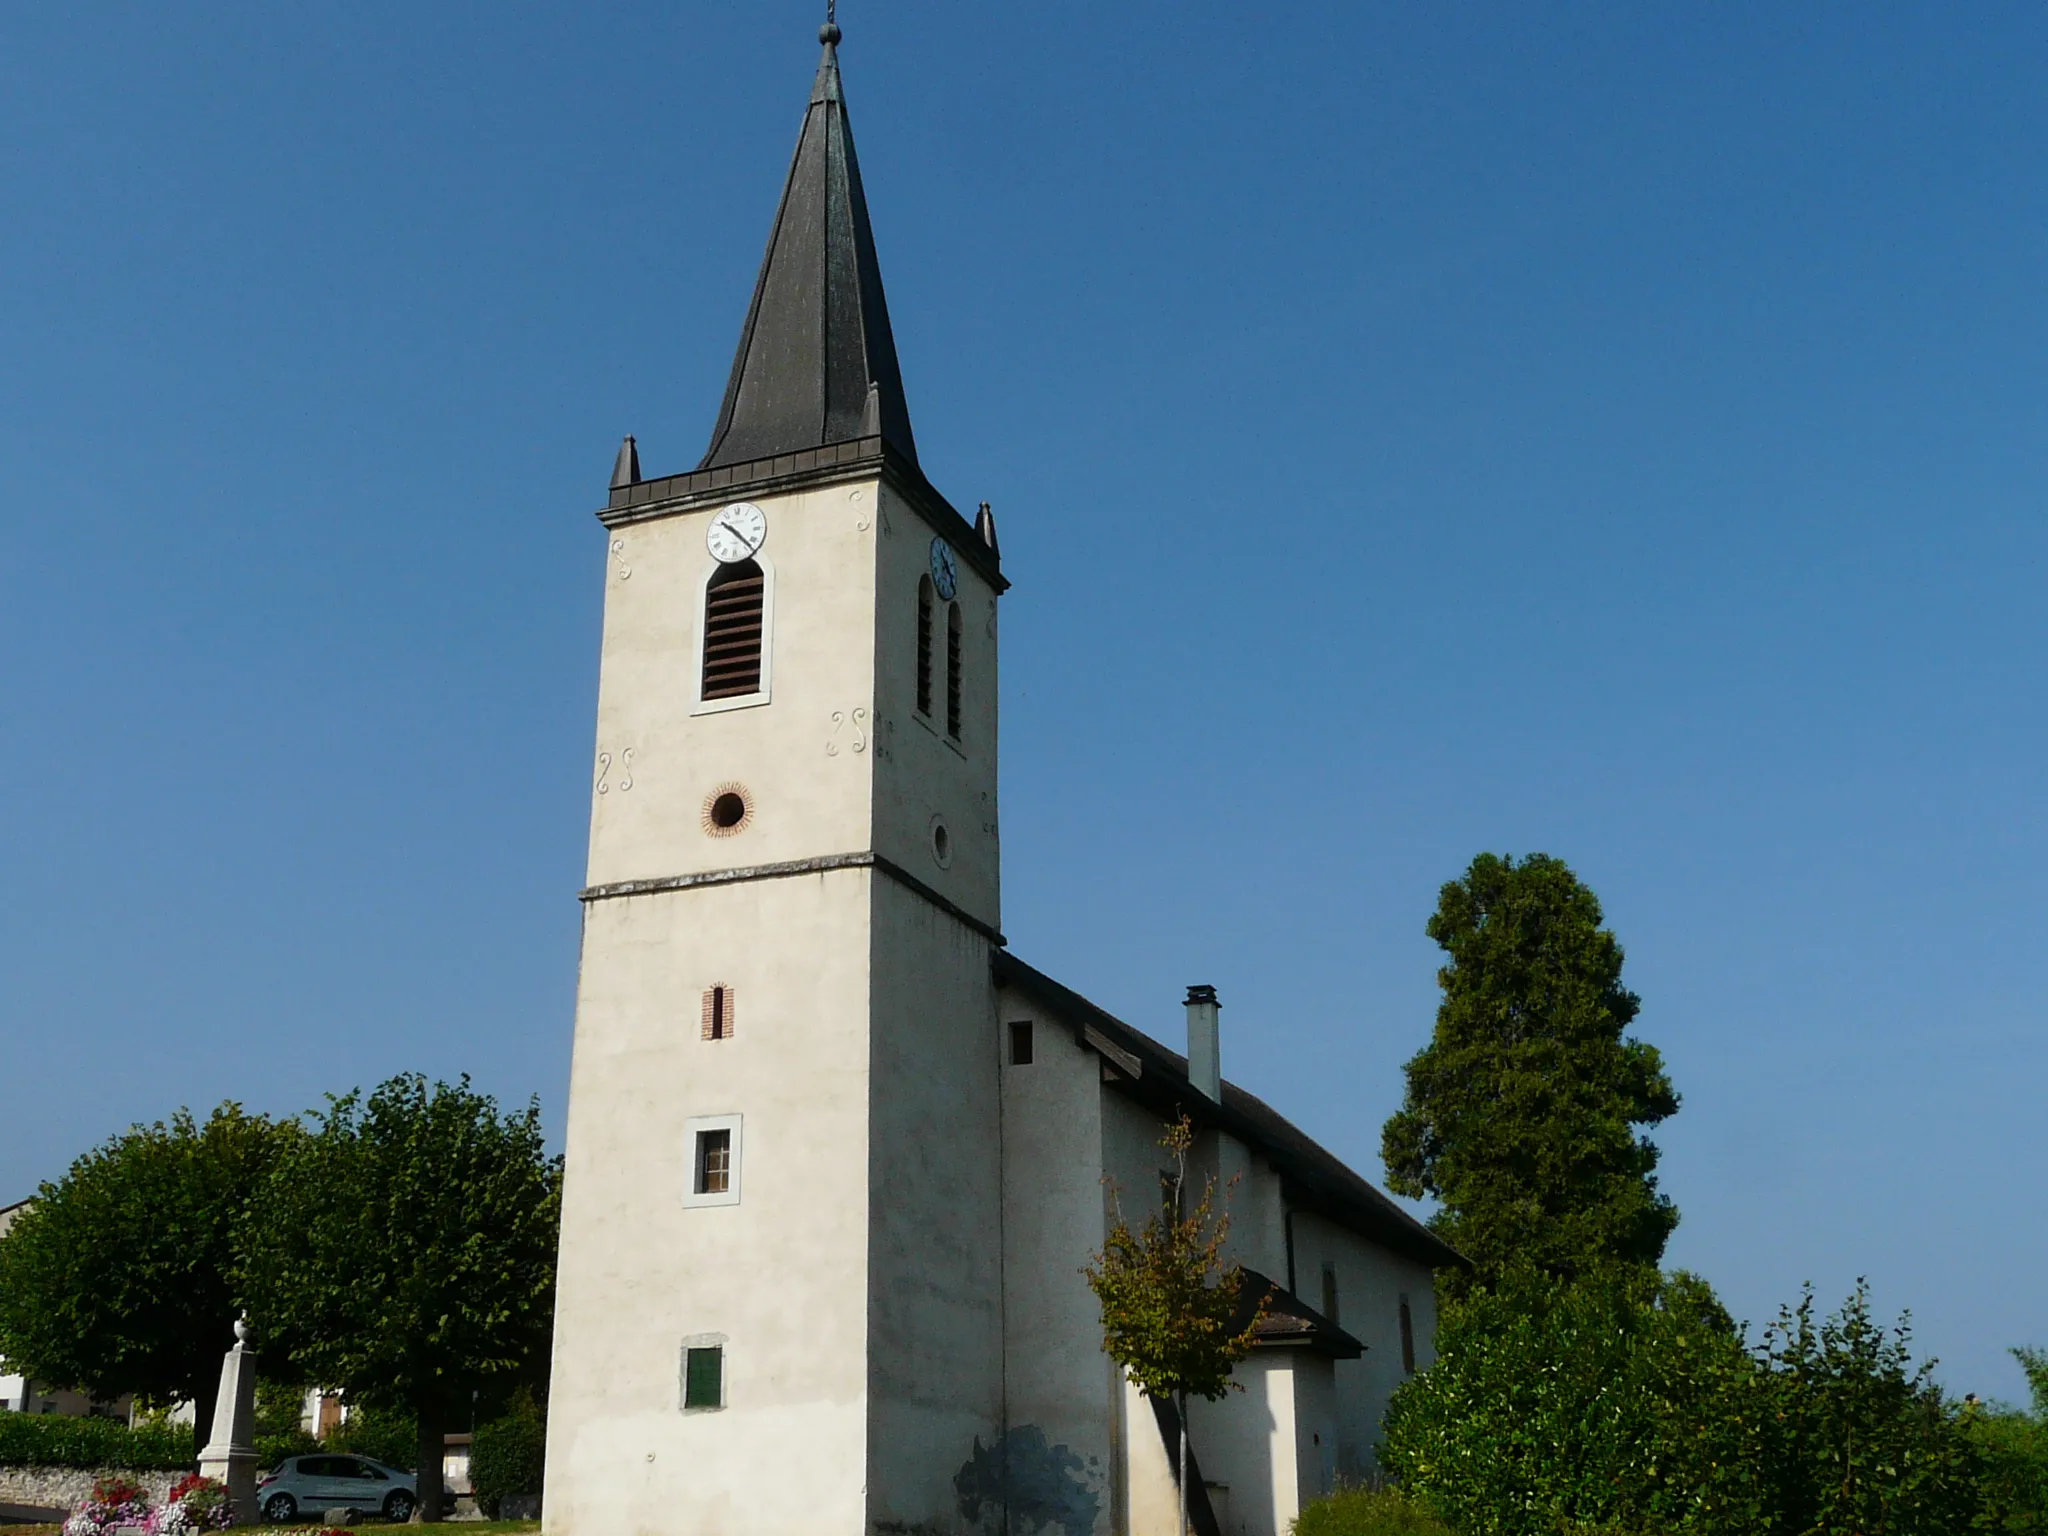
x=66, y=1487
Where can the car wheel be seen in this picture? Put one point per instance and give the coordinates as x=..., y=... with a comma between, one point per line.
x=398, y=1508
x=280, y=1507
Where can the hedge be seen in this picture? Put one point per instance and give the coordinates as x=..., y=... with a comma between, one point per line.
x=509, y=1455
x=57, y=1440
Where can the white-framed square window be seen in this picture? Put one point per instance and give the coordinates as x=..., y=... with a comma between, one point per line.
x=712, y=1144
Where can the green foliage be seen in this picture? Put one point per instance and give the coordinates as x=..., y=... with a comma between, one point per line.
x=2035, y=1363
x=1622, y=1399
x=2011, y=1447
x=1857, y=1439
x=1169, y=1304
x=117, y=1279
x=1368, y=1512
x=1520, y=1113
x=57, y=1440
x=279, y=1405
x=407, y=1255
x=509, y=1454
x=389, y=1435
x=1626, y=1403
x=2012, y=1460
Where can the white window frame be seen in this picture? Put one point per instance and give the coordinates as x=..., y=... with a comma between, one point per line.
x=693, y=1128
x=706, y=706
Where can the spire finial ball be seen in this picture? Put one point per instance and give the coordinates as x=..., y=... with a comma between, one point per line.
x=829, y=34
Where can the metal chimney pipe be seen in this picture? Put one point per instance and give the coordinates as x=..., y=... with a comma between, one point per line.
x=1205, y=1047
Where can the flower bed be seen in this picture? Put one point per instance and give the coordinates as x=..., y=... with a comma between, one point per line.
x=196, y=1504
x=115, y=1501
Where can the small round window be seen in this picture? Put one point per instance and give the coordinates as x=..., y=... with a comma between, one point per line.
x=942, y=844
x=727, y=810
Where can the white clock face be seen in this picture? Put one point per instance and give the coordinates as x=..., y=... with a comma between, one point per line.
x=945, y=573
x=737, y=533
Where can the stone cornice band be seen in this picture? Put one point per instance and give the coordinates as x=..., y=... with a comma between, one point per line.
x=786, y=870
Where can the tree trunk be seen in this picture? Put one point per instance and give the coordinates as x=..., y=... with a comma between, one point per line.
x=433, y=1447
x=1182, y=1528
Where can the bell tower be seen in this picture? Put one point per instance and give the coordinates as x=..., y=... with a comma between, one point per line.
x=779, y=1297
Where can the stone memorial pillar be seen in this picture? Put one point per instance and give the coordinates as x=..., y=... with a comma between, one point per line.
x=230, y=1454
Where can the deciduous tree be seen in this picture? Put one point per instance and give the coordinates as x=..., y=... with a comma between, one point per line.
x=117, y=1278
x=407, y=1256
x=1172, y=1312
x=1522, y=1113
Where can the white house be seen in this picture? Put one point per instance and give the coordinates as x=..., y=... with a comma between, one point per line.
x=836, y=1157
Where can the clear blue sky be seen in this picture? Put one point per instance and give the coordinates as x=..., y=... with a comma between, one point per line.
x=1615, y=431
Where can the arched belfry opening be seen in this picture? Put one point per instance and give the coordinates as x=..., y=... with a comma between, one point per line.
x=734, y=601
x=925, y=599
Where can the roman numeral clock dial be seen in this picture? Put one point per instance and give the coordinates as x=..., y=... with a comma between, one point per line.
x=737, y=533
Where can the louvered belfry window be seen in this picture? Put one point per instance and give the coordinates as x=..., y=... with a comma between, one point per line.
x=732, y=631
x=953, y=670
x=924, y=645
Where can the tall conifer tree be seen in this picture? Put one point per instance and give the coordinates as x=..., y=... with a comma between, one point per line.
x=1522, y=1113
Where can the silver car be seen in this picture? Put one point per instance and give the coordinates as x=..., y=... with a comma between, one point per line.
x=327, y=1480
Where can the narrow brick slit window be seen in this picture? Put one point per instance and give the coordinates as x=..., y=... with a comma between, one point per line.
x=718, y=1007
x=924, y=645
x=714, y=1166
x=733, y=605
x=953, y=670
x=1020, y=1043
x=1407, y=1338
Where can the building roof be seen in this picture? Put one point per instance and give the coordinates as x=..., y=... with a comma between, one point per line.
x=1290, y=1322
x=1314, y=1178
x=817, y=361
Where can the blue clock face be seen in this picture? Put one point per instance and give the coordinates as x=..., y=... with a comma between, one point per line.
x=945, y=573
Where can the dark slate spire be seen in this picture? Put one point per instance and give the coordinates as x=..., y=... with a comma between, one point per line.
x=626, y=467
x=817, y=362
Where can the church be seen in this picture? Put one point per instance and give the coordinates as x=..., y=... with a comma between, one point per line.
x=836, y=1156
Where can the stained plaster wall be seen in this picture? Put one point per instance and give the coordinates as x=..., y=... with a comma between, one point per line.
x=807, y=1280
x=781, y=1275
x=934, y=1327
x=1370, y=1282
x=922, y=775
x=1272, y=1447
x=1063, y=1392
x=812, y=792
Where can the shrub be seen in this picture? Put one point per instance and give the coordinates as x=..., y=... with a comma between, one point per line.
x=381, y=1434
x=273, y=1448
x=1368, y=1512
x=1620, y=1399
x=1631, y=1404
x=55, y=1440
x=509, y=1455
x=2012, y=1457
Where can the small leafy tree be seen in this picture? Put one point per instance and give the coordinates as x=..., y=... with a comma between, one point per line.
x=1619, y=1400
x=1172, y=1309
x=2012, y=1451
x=1521, y=1113
x=407, y=1255
x=118, y=1278
x=1858, y=1439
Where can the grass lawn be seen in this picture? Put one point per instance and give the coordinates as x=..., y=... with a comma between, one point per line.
x=455, y=1528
